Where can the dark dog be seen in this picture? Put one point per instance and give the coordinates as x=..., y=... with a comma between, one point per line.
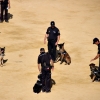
x=38, y=85
x=95, y=73
x=62, y=55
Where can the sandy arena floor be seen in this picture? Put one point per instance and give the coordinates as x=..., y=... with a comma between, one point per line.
x=79, y=23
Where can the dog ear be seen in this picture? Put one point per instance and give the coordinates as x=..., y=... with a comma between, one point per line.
x=92, y=64
x=62, y=44
x=58, y=45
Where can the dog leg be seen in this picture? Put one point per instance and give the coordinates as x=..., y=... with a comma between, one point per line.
x=62, y=57
x=94, y=77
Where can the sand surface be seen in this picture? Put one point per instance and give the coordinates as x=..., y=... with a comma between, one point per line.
x=79, y=23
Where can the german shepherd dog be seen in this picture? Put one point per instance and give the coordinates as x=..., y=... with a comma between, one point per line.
x=95, y=73
x=38, y=85
x=2, y=54
x=62, y=55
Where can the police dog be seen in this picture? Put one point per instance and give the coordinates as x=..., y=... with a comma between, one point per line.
x=62, y=55
x=38, y=85
x=2, y=54
x=95, y=73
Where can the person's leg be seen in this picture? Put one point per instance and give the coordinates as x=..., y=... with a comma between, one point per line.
x=50, y=50
x=6, y=12
x=54, y=50
x=43, y=81
x=1, y=11
x=48, y=82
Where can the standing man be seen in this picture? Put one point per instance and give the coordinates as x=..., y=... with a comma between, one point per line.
x=44, y=65
x=5, y=5
x=53, y=37
x=97, y=42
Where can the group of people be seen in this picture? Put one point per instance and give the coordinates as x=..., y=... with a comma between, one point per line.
x=46, y=59
x=5, y=5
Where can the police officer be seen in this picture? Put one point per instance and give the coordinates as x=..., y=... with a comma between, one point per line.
x=97, y=42
x=5, y=4
x=53, y=37
x=44, y=66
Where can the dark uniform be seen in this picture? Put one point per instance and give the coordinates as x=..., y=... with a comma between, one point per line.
x=99, y=53
x=4, y=8
x=52, y=39
x=95, y=41
x=44, y=60
x=98, y=48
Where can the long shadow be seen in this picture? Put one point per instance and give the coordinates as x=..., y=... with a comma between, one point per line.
x=10, y=16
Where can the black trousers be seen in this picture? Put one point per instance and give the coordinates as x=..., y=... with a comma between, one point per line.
x=46, y=80
x=52, y=49
x=4, y=9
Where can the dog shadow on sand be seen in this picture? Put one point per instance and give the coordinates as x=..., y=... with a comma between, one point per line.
x=4, y=61
x=10, y=16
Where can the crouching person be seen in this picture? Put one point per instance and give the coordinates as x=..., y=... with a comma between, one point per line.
x=45, y=64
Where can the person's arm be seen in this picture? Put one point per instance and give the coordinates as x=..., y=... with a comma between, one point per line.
x=9, y=4
x=97, y=56
x=52, y=64
x=39, y=67
x=58, y=38
x=46, y=35
x=39, y=64
x=45, y=38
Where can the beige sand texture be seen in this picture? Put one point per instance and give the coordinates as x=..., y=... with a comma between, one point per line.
x=79, y=23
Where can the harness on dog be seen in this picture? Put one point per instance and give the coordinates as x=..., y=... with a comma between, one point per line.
x=63, y=52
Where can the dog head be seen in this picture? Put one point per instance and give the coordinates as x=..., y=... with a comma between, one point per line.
x=61, y=45
x=92, y=66
x=3, y=49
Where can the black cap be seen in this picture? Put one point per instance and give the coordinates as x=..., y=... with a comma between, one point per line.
x=95, y=40
x=52, y=23
x=42, y=49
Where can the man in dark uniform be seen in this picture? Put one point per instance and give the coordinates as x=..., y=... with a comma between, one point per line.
x=44, y=65
x=5, y=5
x=97, y=42
x=53, y=37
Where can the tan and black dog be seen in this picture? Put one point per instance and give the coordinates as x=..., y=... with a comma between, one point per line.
x=95, y=73
x=62, y=55
x=2, y=53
